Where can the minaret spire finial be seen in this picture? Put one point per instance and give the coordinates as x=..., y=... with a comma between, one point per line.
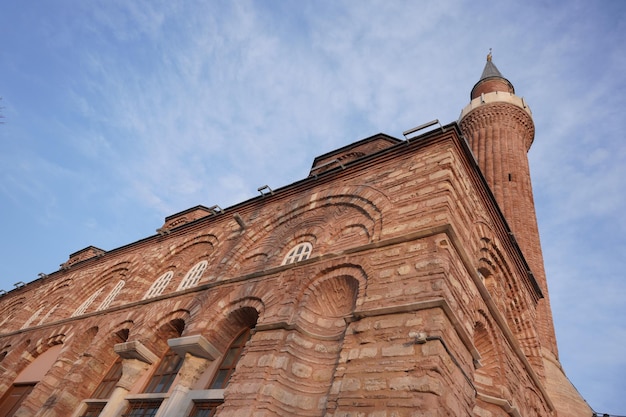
x=489, y=56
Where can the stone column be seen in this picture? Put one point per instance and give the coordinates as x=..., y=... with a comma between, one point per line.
x=136, y=359
x=197, y=354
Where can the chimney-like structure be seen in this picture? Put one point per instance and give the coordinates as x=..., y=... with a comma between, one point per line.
x=500, y=130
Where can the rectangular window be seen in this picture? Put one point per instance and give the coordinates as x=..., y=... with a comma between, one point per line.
x=93, y=410
x=204, y=408
x=143, y=408
x=14, y=397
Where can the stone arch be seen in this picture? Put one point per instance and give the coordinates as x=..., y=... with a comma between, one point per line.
x=184, y=257
x=11, y=313
x=337, y=270
x=325, y=304
x=489, y=377
x=41, y=366
x=232, y=320
x=535, y=406
x=329, y=218
x=33, y=320
x=96, y=291
x=156, y=332
x=308, y=348
x=58, y=307
x=97, y=357
x=507, y=291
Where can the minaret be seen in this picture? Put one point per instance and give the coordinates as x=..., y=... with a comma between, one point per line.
x=500, y=129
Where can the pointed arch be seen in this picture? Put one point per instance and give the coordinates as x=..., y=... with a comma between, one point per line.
x=489, y=377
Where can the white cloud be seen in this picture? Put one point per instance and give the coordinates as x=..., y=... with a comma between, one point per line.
x=176, y=104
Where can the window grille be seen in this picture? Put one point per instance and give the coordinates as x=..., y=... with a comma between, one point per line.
x=193, y=276
x=85, y=305
x=159, y=285
x=114, y=292
x=142, y=408
x=204, y=408
x=300, y=252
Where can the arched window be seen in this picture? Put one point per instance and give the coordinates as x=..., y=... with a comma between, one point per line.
x=193, y=276
x=27, y=379
x=159, y=285
x=114, y=292
x=48, y=314
x=229, y=361
x=162, y=379
x=32, y=318
x=85, y=305
x=107, y=385
x=300, y=252
x=104, y=390
x=206, y=408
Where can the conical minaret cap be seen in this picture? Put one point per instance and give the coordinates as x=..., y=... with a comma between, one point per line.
x=491, y=80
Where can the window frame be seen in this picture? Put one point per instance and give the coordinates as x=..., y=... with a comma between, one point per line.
x=200, y=405
x=144, y=406
x=300, y=252
x=164, y=375
x=107, y=385
x=87, y=303
x=227, y=370
x=193, y=276
x=93, y=409
x=111, y=296
x=159, y=285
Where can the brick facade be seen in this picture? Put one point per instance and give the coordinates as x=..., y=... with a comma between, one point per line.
x=415, y=300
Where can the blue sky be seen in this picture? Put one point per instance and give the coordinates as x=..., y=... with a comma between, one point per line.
x=120, y=113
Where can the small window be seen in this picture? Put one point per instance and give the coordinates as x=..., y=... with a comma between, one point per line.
x=165, y=374
x=85, y=305
x=193, y=276
x=204, y=408
x=300, y=252
x=159, y=285
x=93, y=410
x=48, y=314
x=114, y=292
x=142, y=408
x=229, y=362
x=32, y=318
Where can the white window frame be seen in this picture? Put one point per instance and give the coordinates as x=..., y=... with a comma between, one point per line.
x=193, y=276
x=48, y=314
x=85, y=305
x=32, y=318
x=159, y=285
x=109, y=299
x=300, y=252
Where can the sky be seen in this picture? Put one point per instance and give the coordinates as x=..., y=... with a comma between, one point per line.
x=117, y=114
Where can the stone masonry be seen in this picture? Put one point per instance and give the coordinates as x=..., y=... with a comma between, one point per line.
x=415, y=300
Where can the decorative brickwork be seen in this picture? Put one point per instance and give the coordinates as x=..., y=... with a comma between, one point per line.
x=415, y=299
